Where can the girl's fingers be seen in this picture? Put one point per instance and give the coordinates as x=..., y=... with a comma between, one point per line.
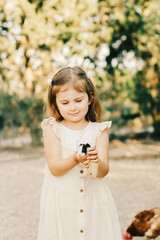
x=93, y=157
x=86, y=162
x=95, y=161
x=91, y=151
x=87, y=166
x=91, y=148
x=82, y=159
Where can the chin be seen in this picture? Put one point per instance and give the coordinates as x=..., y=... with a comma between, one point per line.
x=75, y=118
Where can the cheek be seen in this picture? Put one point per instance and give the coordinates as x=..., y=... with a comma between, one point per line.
x=62, y=108
x=85, y=107
x=86, y=104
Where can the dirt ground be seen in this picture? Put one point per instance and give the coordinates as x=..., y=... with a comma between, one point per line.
x=134, y=180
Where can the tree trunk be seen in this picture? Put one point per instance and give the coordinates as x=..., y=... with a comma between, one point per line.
x=156, y=126
x=36, y=134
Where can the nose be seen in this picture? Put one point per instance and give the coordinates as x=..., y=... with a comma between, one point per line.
x=72, y=107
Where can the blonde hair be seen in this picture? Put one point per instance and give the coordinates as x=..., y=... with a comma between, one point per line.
x=77, y=78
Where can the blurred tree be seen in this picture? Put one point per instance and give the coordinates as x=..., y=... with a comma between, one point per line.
x=115, y=38
x=23, y=113
x=147, y=80
x=38, y=37
x=132, y=65
x=31, y=116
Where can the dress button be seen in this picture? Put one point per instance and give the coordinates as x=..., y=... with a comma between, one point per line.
x=81, y=231
x=81, y=190
x=81, y=210
x=81, y=171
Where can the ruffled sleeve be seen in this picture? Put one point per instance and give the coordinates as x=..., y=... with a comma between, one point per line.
x=103, y=125
x=52, y=121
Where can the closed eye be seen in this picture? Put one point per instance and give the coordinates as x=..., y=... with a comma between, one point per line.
x=78, y=100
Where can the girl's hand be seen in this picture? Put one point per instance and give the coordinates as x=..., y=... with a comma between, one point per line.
x=81, y=159
x=86, y=163
x=92, y=154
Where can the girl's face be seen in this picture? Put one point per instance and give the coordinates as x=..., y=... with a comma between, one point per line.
x=72, y=105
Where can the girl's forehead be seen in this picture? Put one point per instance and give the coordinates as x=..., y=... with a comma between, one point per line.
x=69, y=92
x=65, y=88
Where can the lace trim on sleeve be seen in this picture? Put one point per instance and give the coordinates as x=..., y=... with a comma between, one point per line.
x=52, y=121
x=106, y=124
x=102, y=126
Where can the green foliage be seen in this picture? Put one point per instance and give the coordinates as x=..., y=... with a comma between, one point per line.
x=22, y=113
x=135, y=32
x=9, y=111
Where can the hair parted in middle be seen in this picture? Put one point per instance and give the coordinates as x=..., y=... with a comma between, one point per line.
x=74, y=77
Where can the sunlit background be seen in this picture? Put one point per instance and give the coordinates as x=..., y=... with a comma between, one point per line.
x=117, y=42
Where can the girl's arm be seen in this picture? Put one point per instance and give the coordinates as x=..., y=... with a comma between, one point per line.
x=100, y=155
x=103, y=154
x=52, y=147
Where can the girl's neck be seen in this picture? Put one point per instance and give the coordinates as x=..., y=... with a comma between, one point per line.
x=75, y=125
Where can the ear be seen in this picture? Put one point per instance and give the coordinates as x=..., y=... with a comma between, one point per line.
x=89, y=102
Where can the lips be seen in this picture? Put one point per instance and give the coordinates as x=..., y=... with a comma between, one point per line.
x=73, y=114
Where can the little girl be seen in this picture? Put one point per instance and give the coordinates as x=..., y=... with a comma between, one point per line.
x=74, y=204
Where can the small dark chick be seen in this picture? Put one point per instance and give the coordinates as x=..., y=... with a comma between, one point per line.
x=82, y=149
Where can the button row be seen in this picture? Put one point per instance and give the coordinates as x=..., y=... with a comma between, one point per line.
x=82, y=210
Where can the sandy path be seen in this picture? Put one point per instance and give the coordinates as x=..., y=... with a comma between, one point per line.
x=134, y=180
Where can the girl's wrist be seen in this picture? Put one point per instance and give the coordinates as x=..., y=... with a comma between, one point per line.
x=75, y=158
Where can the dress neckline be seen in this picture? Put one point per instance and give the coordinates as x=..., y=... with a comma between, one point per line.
x=74, y=130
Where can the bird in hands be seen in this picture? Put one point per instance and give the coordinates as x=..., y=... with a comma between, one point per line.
x=145, y=223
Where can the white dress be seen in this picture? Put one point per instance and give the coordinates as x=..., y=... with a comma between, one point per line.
x=76, y=206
